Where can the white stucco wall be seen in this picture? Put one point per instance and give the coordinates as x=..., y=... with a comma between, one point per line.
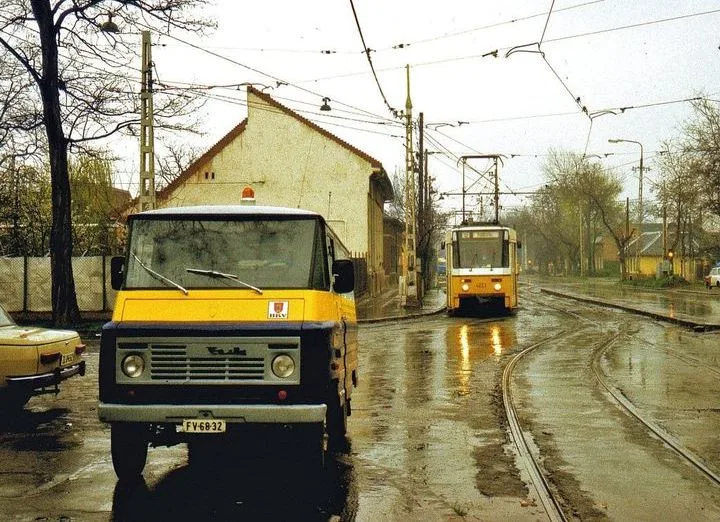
x=289, y=164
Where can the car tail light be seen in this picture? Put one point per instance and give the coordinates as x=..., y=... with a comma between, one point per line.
x=80, y=348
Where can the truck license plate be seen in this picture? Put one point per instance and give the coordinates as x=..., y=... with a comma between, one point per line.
x=203, y=426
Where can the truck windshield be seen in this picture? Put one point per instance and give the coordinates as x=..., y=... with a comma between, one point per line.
x=260, y=253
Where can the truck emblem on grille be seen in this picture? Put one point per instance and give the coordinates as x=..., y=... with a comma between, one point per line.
x=236, y=350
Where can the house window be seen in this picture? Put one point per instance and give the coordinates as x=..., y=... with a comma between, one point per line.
x=209, y=175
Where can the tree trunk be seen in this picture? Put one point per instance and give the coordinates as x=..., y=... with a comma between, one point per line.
x=64, y=301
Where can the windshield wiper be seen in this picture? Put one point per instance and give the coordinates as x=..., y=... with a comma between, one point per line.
x=159, y=276
x=220, y=275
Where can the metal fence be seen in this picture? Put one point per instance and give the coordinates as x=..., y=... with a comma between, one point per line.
x=25, y=284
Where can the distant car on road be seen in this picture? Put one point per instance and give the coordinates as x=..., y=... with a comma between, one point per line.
x=713, y=278
x=35, y=360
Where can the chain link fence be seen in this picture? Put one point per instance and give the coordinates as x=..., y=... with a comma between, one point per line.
x=25, y=284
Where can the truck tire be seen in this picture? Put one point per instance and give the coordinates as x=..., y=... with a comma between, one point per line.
x=336, y=423
x=128, y=446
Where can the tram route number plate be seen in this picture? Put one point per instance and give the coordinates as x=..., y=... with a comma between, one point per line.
x=203, y=426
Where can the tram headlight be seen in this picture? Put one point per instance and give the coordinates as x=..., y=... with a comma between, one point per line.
x=133, y=365
x=465, y=287
x=497, y=287
x=283, y=366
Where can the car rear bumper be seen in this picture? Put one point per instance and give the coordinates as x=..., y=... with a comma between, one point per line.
x=43, y=380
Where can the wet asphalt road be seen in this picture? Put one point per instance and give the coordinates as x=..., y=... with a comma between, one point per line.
x=428, y=437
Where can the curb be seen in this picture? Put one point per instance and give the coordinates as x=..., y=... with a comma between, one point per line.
x=694, y=325
x=402, y=317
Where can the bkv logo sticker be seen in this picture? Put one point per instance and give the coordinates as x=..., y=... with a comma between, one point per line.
x=278, y=310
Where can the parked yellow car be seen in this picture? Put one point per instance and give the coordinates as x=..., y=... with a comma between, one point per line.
x=35, y=360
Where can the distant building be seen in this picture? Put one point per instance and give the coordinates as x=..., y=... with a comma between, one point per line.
x=292, y=162
x=645, y=254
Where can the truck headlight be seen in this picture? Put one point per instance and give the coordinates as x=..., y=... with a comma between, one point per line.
x=465, y=287
x=498, y=287
x=133, y=365
x=283, y=366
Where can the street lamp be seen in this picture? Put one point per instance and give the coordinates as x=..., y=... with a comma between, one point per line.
x=640, y=195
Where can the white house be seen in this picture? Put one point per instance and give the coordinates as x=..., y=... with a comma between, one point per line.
x=292, y=162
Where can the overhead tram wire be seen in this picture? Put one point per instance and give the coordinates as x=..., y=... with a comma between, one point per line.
x=243, y=103
x=234, y=87
x=492, y=26
x=369, y=59
x=504, y=49
x=268, y=75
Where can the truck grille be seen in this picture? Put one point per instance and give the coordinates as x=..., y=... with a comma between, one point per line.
x=176, y=364
x=208, y=360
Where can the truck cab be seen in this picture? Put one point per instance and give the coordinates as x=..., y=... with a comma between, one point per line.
x=227, y=318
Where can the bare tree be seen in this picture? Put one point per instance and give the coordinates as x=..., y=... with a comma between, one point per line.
x=78, y=77
x=702, y=141
x=578, y=201
x=174, y=161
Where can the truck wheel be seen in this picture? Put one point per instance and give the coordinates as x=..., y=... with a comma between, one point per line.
x=336, y=423
x=128, y=446
x=316, y=450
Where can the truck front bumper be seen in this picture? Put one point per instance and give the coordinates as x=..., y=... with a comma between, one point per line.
x=231, y=413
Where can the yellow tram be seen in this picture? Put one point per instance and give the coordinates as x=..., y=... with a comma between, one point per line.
x=482, y=268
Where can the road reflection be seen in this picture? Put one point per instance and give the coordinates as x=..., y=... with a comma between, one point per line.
x=274, y=487
x=471, y=341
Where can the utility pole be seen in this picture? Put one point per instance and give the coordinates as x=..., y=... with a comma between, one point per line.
x=422, y=269
x=147, y=133
x=638, y=241
x=409, y=296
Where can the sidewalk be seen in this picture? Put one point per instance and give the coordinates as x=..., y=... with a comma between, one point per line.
x=699, y=310
x=387, y=307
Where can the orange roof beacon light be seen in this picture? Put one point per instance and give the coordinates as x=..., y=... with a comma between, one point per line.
x=248, y=196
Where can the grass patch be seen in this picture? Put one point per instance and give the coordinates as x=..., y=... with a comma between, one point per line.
x=673, y=281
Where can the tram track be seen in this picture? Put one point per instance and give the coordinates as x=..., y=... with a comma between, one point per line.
x=532, y=466
x=695, y=461
x=524, y=441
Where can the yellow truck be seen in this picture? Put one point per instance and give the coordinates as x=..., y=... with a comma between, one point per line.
x=229, y=320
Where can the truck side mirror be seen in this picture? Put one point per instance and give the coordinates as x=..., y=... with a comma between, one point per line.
x=117, y=264
x=344, y=276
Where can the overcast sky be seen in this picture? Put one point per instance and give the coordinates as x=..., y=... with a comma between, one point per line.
x=609, y=54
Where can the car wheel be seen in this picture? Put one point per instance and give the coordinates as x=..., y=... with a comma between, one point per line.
x=128, y=446
x=14, y=400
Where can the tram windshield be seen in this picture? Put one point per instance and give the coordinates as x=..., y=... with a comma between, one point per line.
x=480, y=249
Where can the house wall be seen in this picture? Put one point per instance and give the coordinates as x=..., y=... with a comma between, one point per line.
x=290, y=164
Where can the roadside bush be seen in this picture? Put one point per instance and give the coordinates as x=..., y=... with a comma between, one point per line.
x=673, y=281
